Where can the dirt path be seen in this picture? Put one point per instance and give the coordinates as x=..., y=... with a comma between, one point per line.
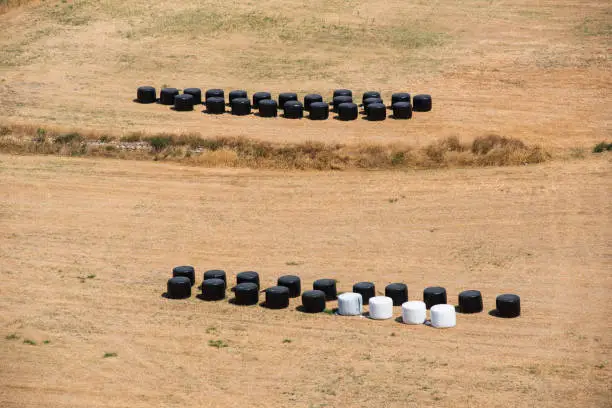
x=542, y=232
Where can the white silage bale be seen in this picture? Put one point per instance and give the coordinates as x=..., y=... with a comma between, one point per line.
x=414, y=312
x=350, y=304
x=443, y=316
x=381, y=307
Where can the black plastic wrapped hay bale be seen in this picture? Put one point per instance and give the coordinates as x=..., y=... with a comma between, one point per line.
x=166, y=96
x=398, y=292
x=470, y=301
x=260, y=96
x=434, y=295
x=293, y=110
x=319, y=111
x=196, y=93
x=187, y=271
x=366, y=290
x=215, y=105
x=327, y=286
x=341, y=99
x=179, y=287
x=348, y=111
x=370, y=94
x=286, y=97
x=400, y=97
x=309, y=99
x=246, y=293
x=248, y=276
x=376, y=111
x=402, y=110
x=291, y=282
x=277, y=297
x=238, y=93
x=216, y=274
x=313, y=301
x=213, y=289
x=241, y=106
x=343, y=92
x=421, y=103
x=146, y=94
x=183, y=103
x=268, y=108
x=370, y=101
x=508, y=305
x=215, y=93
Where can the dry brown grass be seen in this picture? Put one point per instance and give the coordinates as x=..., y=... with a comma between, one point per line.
x=6, y=5
x=192, y=148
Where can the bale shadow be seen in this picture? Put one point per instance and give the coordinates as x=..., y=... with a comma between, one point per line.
x=205, y=112
x=495, y=313
x=165, y=295
x=202, y=298
x=259, y=115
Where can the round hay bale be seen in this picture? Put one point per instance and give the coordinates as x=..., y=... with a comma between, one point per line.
x=508, y=305
x=247, y=293
x=286, y=97
x=343, y=92
x=277, y=297
x=215, y=274
x=313, y=301
x=178, y=287
x=293, y=110
x=183, y=103
x=400, y=97
x=215, y=93
x=366, y=290
x=319, y=111
x=350, y=304
x=370, y=101
x=376, y=111
x=470, y=301
x=215, y=105
x=341, y=99
x=241, y=107
x=166, y=96
x=327, y=286
x=146, y=94
x=381, y=307
x=187, y=271
x=248, y=277
x=309, y=99
x=348, y=111
x=293, y=283
x=402, y=110
x=238, y=93
x=414, y=312
x=443, y=316
x=213, y=289
x=421, y=103
x=370, y=94
x=268, y=108
x=196, y=93
x=398, y=292
x=260, y=96
x=434, y=295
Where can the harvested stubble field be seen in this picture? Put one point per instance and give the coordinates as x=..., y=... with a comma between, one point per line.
x=539, y=231
x=87, y=244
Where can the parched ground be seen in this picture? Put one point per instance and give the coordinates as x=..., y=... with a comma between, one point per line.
x=87, y=247
x=537, y=71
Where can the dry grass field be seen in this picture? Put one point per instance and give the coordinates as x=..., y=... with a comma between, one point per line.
x=538, y=71
x=88, y=243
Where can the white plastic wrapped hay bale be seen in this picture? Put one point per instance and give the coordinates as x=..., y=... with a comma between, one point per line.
x=381, y=307
x=350, y=304
x=443, y=316
x=414, y=312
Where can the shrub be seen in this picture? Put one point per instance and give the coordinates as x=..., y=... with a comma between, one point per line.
x=68, y=138
x=601, y=147
x=159, y=143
